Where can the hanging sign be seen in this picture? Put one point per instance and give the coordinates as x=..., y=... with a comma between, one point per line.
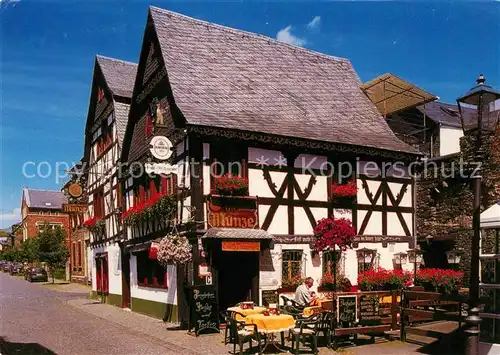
x=75, y=190
x=74, y=208
x=240, y=246
x=160, y=147
x=220, y=217
x=160, y=168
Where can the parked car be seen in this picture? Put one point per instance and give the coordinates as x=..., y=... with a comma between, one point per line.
x=6, y=267
x=15, y=268
x=37, y=274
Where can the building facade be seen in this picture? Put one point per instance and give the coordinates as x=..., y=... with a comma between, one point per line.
x=107, y=117
x=293, y=125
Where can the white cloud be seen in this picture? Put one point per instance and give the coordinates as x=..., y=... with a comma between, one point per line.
x=315, y=22
x=14, y=215
x=285, y=35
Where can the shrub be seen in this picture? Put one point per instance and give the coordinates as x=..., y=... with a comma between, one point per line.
x=342, y=282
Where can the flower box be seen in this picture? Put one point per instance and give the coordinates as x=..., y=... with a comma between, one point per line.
x=445, y=281
x=384, y=280
x=287, y=289
x=159, y=205
x=231, y=185
x=344, y=190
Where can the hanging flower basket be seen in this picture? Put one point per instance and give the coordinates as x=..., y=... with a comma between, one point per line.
x=95, y=225
x=231, y=185
x=174, y=249
x=330, y=233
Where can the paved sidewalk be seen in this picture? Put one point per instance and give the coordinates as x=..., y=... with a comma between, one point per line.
x=66, y=286
x=213, y=344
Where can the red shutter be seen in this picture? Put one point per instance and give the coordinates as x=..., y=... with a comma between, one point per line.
x=149, y=125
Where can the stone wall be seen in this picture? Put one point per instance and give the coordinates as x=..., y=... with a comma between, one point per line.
x=445, y=196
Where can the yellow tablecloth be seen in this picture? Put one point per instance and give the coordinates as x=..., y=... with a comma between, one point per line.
x=246, y=312
x=271, y=324
x=309, y=311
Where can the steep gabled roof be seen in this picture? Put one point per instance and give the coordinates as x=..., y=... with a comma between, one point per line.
x=121, y=116
x=232, y=79
x=446, y=114
x=44, y=199
x=119, y=75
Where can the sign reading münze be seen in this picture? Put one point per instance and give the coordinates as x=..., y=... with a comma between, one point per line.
x=74, y=208
x=221, y=217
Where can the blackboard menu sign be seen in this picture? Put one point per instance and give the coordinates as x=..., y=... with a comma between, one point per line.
x=205, y=309
x=347, y=310
x=369, y=310
x=269, y=296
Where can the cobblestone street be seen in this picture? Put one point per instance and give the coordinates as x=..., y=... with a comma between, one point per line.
x=59, y=319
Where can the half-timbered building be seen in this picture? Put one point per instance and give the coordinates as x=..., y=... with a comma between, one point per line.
x=111, y=91
x=292, y=123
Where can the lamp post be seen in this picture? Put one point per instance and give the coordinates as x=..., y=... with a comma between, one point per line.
x=476, y=118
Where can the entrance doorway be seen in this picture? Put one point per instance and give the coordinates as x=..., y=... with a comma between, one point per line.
x=125, y=280
x=237, y=277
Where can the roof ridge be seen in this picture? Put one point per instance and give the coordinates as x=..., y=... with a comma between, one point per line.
x=250, y=34
x=43, y=190
x=115, y=60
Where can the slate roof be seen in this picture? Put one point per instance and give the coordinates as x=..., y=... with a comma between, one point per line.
x=121, y=117
x=119, y=75
x=46, y=199
x=446, y=114
x=237, y=233
x=232, y=79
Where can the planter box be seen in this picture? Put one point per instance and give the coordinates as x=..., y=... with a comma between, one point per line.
x=287, y=289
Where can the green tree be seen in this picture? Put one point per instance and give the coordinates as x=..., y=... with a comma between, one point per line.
x=52, y=248
x=12, y=254
x=30, y=250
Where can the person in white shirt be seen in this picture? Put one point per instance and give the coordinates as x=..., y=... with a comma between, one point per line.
x=302, y=293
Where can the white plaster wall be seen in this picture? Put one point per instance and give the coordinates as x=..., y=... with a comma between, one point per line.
x=394, y=226
x=318, y=191
x=407, y=196
x=279, y=224
x=449, y=140
x=257, y=185
x=374, y=226
x=168, y=296
x=373, y=187
x=302, y=224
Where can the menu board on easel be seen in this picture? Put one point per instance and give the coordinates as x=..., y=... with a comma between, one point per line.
x=269, y=296
x=205, y=309
x=369, y=310
x=347, y=310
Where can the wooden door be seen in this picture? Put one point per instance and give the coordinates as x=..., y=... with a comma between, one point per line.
x=125, y=280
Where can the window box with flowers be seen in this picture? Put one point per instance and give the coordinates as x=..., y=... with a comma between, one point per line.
x=231, y=185
x=328, y=283
x=344, y=194
x=291, y=284
x=445, y=281
x=384, y=280
x=160, y=205
x=96, y=225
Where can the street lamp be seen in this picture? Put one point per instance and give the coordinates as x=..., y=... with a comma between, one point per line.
x=453, y=256
x=476, y=117
x=365, y=256
x=400, y=259
x=415, y=257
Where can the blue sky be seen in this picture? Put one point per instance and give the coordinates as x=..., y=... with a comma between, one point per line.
x=48, y=48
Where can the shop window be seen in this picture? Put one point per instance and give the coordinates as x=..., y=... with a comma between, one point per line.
x=227, y=161
x=291, y=265
x=149, y=272
x=329, y=259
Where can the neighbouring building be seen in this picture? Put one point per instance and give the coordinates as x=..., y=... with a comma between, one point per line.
x=40, y=208
x=289, y=117
x=77, y=210
x=110, y=95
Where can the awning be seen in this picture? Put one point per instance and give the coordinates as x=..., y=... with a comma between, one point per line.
x=490, y=218
x=391, y=94
x=237, y=233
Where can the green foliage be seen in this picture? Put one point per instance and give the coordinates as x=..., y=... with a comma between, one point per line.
x=30, y=250
x=52, y=248
x=11, y=254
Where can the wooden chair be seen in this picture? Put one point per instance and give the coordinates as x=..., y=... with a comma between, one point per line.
x=289, y=302
x=226, y=316
x=327, y=327
x=242, y=333
x=307, y=330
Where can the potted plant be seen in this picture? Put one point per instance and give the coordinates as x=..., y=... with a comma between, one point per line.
x=231, y=185
x=95, y=225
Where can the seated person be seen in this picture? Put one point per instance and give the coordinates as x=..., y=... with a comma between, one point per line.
x=302, y=295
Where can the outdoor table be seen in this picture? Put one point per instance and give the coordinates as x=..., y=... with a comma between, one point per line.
x=309, y=311
x=246, y=312
x=270, y=326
